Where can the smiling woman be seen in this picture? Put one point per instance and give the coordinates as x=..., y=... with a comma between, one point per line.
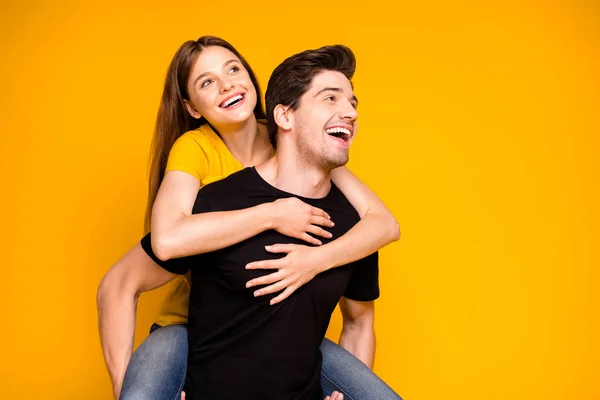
x=173, y=119
x=227, y=84
x=210, y=125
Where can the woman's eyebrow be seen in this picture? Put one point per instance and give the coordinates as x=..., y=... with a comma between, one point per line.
x=206, y=73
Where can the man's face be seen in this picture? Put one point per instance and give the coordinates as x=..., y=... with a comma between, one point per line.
x=325, y=122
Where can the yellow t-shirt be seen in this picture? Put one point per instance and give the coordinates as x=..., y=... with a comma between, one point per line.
x=202, y=154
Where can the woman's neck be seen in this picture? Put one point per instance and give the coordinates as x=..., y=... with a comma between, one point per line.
x=248, y=142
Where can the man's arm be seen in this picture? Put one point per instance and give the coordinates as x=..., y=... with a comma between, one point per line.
x=117, y=301
x=358, y=330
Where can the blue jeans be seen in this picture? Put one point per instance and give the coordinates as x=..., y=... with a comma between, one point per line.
x=157, y=370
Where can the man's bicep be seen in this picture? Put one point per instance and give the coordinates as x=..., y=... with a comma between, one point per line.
x=353, y=310
x=139, y=273
x=155, y=277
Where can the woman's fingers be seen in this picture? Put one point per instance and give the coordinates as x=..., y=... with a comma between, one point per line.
x=286, y=293
x=276, y=287
x=315, y=230
x=265, y=280
x=319, y=213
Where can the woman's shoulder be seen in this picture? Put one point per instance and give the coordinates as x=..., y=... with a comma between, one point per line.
x=202, y=135
x=190, y=153
x=192, y=148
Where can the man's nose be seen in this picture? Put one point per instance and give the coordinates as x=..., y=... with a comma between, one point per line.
x=348, y=112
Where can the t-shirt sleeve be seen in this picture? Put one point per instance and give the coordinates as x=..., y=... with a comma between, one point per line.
x=364, y=282
x=181, y=265
x=175, y=265
x=188, y=154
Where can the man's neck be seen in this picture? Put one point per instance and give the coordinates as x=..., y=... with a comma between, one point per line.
x=287, y=172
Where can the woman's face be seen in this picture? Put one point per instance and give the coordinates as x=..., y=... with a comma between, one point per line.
x=220, y=88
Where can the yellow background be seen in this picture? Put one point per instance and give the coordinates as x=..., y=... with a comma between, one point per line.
x=479, y=128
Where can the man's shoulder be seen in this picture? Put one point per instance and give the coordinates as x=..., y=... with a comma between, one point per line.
x=337, y=201
x=228, y=193
x=235, y=182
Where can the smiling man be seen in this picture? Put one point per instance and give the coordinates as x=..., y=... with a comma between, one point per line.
x=240, y=346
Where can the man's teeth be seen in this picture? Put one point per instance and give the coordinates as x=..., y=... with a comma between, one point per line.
x=227, y=103
x=338, y=130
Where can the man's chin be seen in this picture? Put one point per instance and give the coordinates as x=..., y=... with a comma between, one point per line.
x=336, y=162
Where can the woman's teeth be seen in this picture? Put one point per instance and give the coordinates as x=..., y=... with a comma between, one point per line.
x=231, y=101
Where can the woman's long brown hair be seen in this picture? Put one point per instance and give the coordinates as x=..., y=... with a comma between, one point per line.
x=173, y=119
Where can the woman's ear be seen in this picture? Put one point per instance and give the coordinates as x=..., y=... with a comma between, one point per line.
x=191, y=110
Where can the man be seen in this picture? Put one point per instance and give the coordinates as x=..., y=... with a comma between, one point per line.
x=239, y=345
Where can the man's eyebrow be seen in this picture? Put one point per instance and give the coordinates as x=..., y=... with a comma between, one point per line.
x=206, y=73
x=335, y=89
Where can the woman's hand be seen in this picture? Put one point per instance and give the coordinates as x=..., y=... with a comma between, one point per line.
x=293, y=217
x=299, y=266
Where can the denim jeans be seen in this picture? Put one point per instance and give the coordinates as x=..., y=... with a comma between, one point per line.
x=157, y=370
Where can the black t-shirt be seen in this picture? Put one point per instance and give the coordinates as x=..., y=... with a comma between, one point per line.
x=240, y=347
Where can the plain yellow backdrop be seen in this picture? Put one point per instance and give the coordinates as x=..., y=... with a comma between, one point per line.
x=479, y=126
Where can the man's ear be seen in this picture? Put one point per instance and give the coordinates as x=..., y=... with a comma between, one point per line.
x=284, y=117
x=191, y=110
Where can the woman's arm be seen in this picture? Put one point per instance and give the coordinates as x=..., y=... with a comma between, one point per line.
x=377, y=228
x=176, y=232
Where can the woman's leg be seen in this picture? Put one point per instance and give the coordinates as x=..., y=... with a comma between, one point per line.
x=157, y=368
x=348, y=375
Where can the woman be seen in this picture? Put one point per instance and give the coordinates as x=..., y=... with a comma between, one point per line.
x=197, y=141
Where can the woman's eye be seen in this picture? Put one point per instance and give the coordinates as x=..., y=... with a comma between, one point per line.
x=330, y=98
x=234, y=69
x=206, y=83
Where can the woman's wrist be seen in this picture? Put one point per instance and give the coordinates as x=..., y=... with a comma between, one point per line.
x=323, y=260
x=267, y=217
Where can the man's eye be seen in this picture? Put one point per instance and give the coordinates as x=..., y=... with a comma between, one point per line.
x=206, y=83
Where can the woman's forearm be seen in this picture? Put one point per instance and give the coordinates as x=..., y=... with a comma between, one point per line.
x=371, y=233
x=376, y=229
x=206, y=232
